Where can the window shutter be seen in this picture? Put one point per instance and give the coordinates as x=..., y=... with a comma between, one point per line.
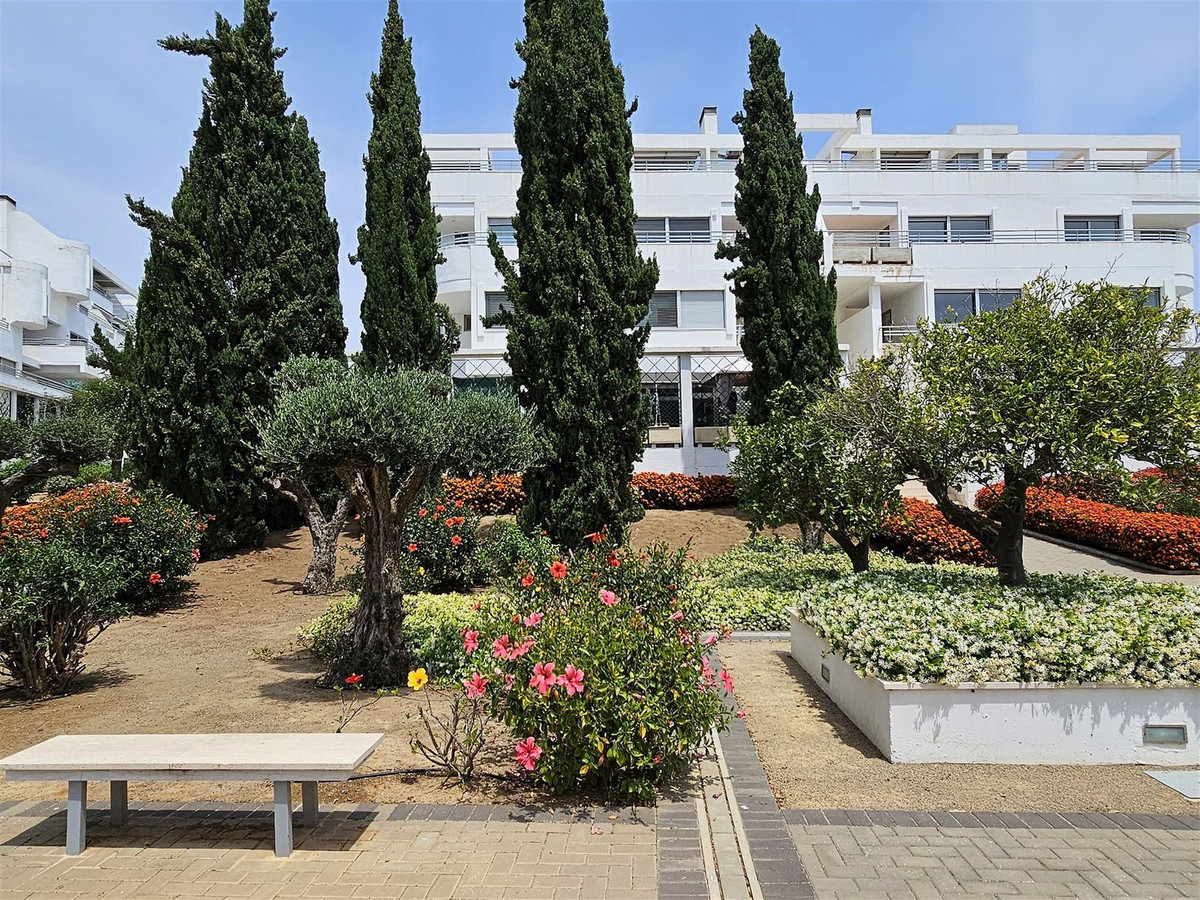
x=664, y=312
x=702, y=309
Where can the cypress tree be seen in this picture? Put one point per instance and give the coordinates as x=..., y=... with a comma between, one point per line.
x=240, y=276
x=786, y=305
x=403, y=324
x=580, y=294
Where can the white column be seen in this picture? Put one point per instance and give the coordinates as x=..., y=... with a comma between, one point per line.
x=1126, y=224
x=686, y=421
x=876, y=307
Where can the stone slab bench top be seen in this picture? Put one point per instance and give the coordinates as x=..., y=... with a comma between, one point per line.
x=208, y=757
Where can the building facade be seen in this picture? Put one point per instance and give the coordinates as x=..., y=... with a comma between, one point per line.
x=936, y=226
x=53, y=295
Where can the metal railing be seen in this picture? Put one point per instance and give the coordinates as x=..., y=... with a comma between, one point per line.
x=909, y=238
x=699, y=164
x=1002, y=165
x=894, y=334
x=480, y=238
x=57, y=342
x=8, y=367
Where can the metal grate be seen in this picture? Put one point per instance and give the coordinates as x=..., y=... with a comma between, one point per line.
x=486, y=374
x=719, y=389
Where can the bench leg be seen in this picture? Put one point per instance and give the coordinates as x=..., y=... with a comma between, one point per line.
x=76, y=817
x=118, y=792
x=283, y=818
x=308, y=792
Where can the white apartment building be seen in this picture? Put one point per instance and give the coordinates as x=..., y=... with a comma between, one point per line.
x=52, y=295
x=918, y=226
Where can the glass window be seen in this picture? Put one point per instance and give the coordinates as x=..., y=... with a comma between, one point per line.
x=664, y=310
x=650, y=231
x=990, y=301
x=1152, y=295
x=970, y=229
x=1092, y=228
x=719, y=399
x=904, y=159
x=665, y=408
x=687, y=231
x=927, y=230
x=503, y=229
x=999, y=161
x=963, y=161
x=702, y=309
x=953, y=306
x=494, y=303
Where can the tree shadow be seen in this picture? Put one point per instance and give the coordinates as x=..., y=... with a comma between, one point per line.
x=827, y=711
x=13, y=696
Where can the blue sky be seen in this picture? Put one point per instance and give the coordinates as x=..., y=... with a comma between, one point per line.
x=92, y=109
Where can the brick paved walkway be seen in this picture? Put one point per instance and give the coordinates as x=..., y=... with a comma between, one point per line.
x=926, y=856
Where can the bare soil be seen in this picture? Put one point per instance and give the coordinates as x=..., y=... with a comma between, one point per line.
x=816, y=758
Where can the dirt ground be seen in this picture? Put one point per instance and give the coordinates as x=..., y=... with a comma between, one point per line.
x=816, y=758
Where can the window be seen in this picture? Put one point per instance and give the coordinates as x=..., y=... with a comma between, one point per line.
x=1092, y=228
x=664, y=310
x=466, y=323
x=1152, y=295
x=953, y=306
x=954, y=229
x=665, y=407
x=963, y=161
x=503, y=230
x=999, y=161
x=650, y=231
x=720, y=398
x=990, y=301
x=702, y=309
x=494, y=303
x=904, y=159
x=672, y=230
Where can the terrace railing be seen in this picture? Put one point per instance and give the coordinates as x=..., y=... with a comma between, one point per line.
x=995, y=236
x=480, y=238
x=721, y=164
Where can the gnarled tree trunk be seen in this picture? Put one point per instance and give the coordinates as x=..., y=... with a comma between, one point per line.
x=324, y=531
x=37, y=470
x=812, y=535
x=379, y=652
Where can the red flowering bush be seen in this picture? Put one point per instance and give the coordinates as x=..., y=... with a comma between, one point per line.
x=155, y=537
x=437, y=546
x=497, y=495
x=1161, y=539
x=597, y=664
x=73, y=565
x=922, y=534
x=654, y=490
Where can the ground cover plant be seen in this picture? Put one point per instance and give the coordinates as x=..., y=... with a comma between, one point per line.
x=920, y=533
x=72, y=565
x=1161, y=539
x=501, y=494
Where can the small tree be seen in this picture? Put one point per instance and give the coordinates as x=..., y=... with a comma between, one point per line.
x=50, y=447
x=388, y=436
x=785, y=303
x=811, y=463
x=1066, y=381
x=404, y=326
x=581, y=291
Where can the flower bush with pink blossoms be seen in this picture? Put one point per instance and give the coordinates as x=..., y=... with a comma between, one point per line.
x=597, y=665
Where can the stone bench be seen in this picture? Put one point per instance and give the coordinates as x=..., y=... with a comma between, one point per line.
x=121, y=758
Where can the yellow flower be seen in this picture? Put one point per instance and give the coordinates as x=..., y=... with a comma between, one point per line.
x=417, y=679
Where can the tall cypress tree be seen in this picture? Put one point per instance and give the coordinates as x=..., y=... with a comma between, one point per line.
x=581, y=292
x=240, y=276
x=403, y=324
x=785, y=303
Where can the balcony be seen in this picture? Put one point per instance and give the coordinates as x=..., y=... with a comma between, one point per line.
x=480, y=238
x=640, y=164
x=1002, y=165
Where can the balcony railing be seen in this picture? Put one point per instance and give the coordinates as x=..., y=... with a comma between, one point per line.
x=1002, y=165
x=480, y=238
x=57, y=342
x=700, y=164
x=894, y=334
x=8, y=367
x=909, y=238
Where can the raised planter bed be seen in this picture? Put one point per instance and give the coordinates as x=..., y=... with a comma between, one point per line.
x=999, y=722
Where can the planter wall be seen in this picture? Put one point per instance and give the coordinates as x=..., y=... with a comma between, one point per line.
x=998, y=722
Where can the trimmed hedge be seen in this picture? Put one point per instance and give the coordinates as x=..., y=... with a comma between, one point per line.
x=922, y=534
x=1165, y=540
x=504, y=494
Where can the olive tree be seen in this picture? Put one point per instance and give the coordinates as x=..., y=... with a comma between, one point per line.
x=387, y=436
x=52, y=446
x=813, y=461
x=1067, y=380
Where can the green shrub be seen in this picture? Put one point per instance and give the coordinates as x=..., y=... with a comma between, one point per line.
x=504, y=549
x=58, y=484
x=90, y=473
x=54, y=600
x=433, y=627
x=597, y=665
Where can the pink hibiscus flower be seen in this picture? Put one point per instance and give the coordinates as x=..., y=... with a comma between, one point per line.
x=543, y=678
x=710, y=640
x=532, y=619
x=470, y=641
x=572, y=680
x=524, y=648
x=528, y=753
x=608, y=598
x=476, y=686
x=677, y=616
x=727, y=680
x=501, y=647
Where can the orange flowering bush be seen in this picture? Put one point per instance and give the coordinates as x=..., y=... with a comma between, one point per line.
x=654, y=490
x=437, y=546
x=1161, y=539
x=922, y=534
